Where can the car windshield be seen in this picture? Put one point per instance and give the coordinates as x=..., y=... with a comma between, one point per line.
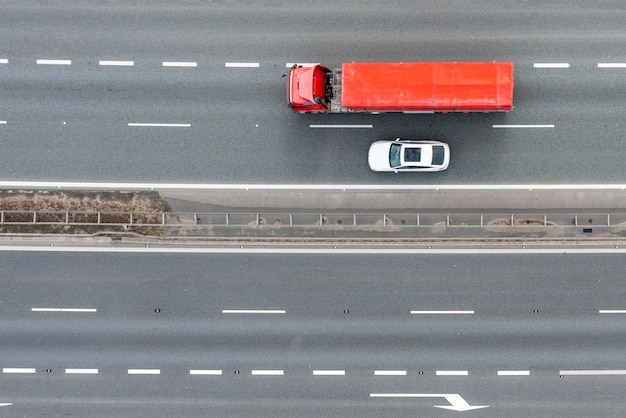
x=438, y=155
x=412, y=155
x=394, y=155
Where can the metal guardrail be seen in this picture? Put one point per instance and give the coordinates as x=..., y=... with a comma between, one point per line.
x=317, y=219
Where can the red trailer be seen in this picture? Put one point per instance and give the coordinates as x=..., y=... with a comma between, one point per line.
x=402, y=87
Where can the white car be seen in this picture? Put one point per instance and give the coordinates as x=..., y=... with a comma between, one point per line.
x=408, y=155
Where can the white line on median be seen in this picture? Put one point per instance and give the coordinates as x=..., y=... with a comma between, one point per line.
x=523, y=126
x=312, y=250
x=81, y=371
x=612, y=65
x=4, y=60
x=3, y=122
x=160, y=125
x=451, y=372
x=341, y=126
x=54, y=62
x=179, y=64
x=389, y=372
x=144, y=371
x=64, y=310
x=551, y=65
x=253, y=311
x=329, y=372
x=442, y=312
x=613, y=311
x=513, y=372
x=206, y=372
x=242, y=64
x=267, y=372
x=117, y=63
x=591, y=372
x=18, y=370
x=295, y=186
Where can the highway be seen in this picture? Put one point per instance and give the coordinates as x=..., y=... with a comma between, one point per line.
x=230, y=334
x=193, y=92
x=76, y=81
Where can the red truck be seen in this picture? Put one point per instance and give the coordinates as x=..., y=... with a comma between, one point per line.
x=402, y=87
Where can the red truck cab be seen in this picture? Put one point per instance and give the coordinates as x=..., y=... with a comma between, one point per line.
x=306, y=89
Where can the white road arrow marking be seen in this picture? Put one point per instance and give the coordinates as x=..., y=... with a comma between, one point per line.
x=457, y=403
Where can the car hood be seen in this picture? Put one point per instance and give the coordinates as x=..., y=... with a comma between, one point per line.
x=378, y=156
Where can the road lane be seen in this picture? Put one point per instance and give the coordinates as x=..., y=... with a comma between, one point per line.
x=536, y=343
x=71, y=121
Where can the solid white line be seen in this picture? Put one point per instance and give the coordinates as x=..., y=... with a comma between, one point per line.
x=4, y=60
x=341, y=126
x=312, y=250
x=254, y=311
x=179, y=64
x=442, y=312
x=18, y=370
x=513, y=372
x=336, y=187
x=242, y=64
x=206, y=372
x=612, y=65
x=144, y=371
x=389, y=372
x=161, y=125
x=302, y=64
x=523, y=126
x=63, y=310
x=551, y=65
x=81, y=371
x=329, y=372
x=3, y=122
x=54, y=62
x=613, y=311
x=591, y=372
x=118, y=63
x=267, y=372
x=451, y=373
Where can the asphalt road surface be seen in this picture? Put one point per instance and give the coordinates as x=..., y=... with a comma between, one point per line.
x=76, y=77
x=311, y=334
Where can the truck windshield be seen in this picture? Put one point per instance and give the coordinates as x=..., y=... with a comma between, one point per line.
x=394, y=155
